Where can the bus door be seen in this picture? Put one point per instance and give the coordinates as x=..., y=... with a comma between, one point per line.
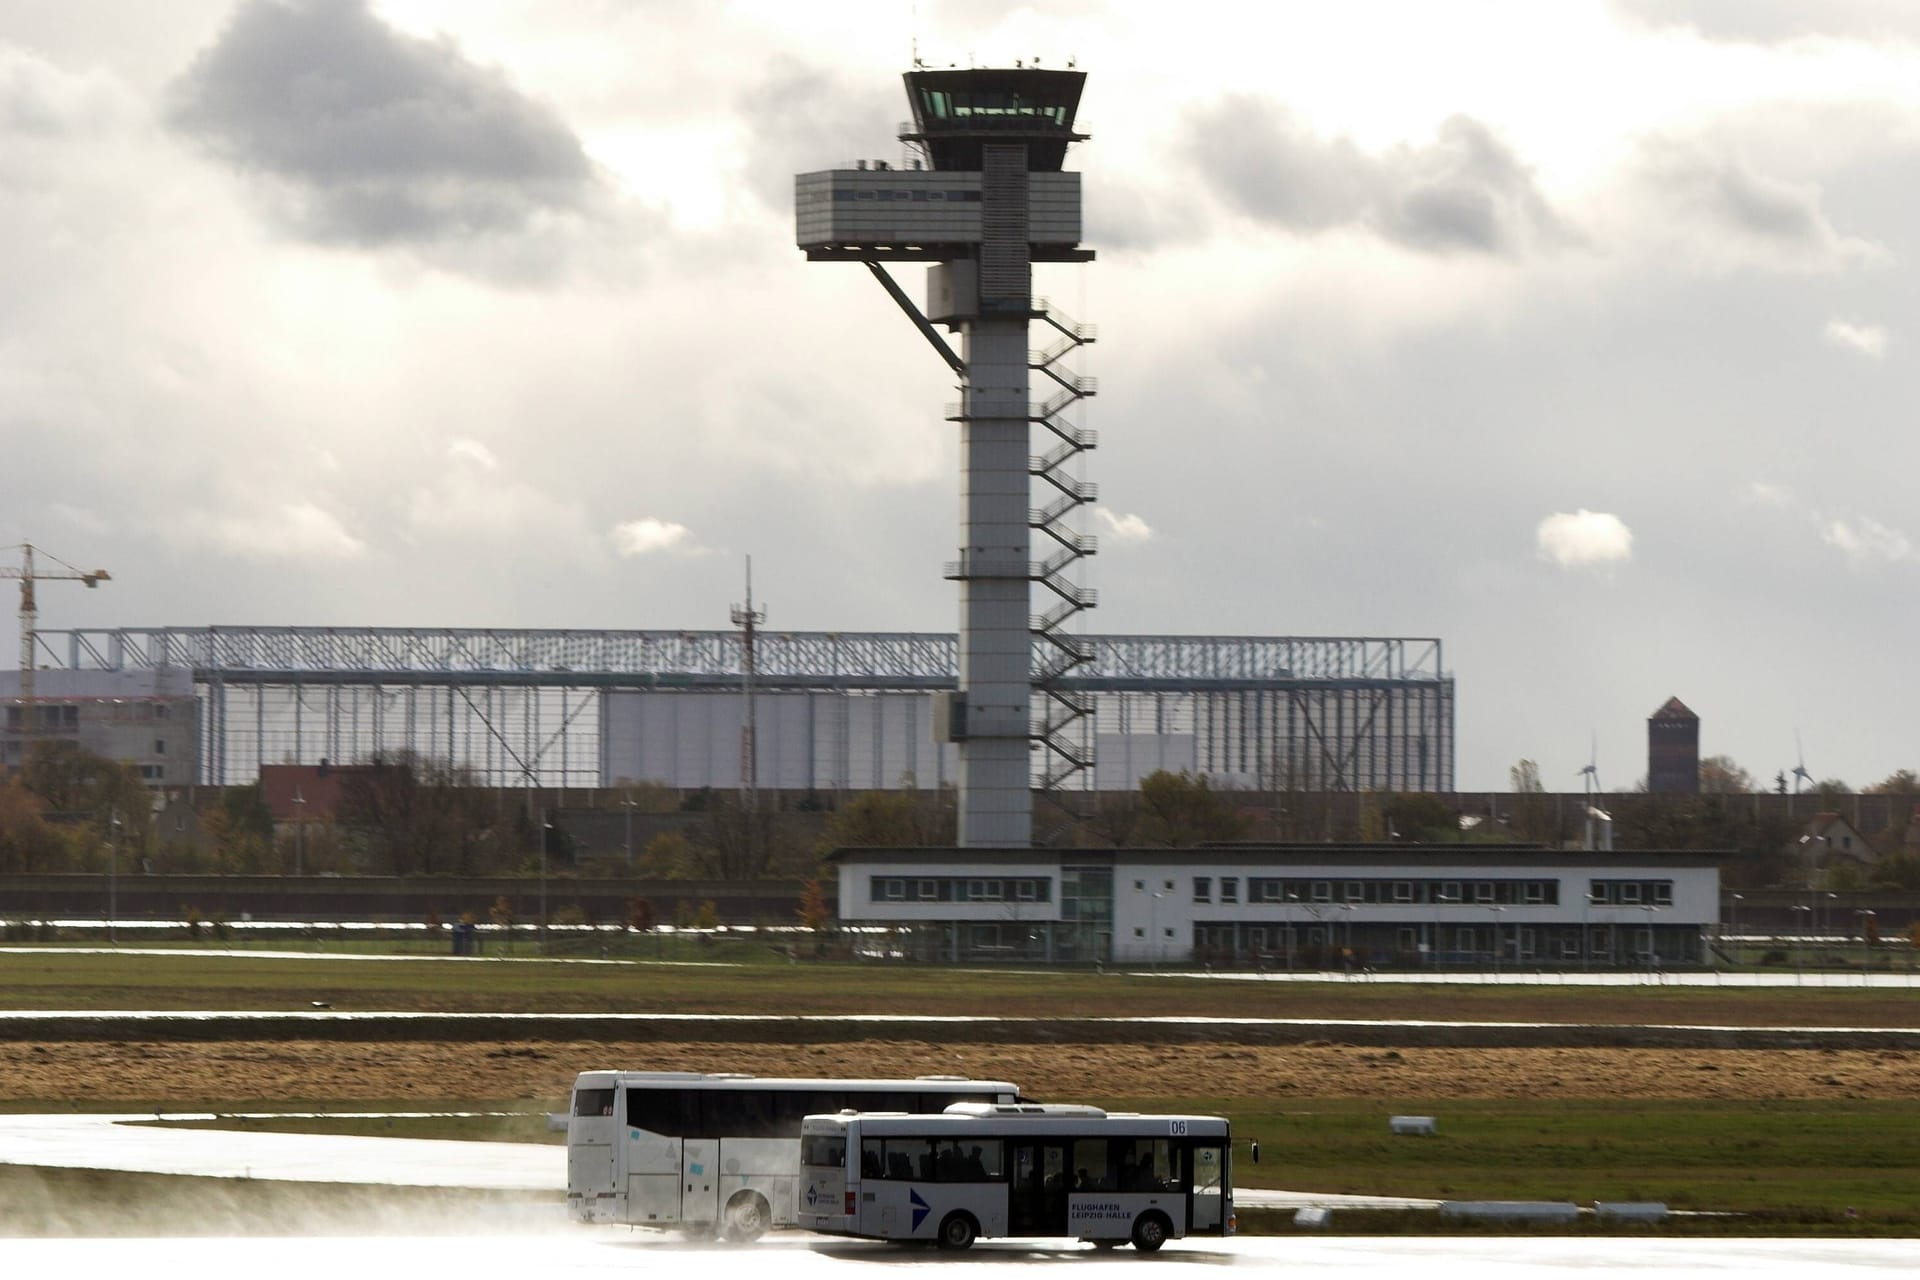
x=1037, y=1189
x=699, y=1180
x=1206, y=1203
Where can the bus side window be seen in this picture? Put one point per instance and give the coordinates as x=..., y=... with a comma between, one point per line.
x=1091, y=1170
x=870, y=1166
x=673, y=1112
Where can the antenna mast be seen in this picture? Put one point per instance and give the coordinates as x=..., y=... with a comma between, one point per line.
x=747, y=619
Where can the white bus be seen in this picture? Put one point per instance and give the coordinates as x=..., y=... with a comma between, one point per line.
x=1017, y=1170
x=716, y=1153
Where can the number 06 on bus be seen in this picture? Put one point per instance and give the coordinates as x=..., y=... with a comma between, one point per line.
x=981, y=1169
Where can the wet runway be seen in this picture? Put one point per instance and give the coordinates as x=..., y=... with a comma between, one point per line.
x=133, y=1144
x=567, y=1249
x=111, y=1142
x=587, y=1252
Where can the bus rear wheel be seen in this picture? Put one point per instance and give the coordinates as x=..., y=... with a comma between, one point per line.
x=958, y=1231
x=747, y=1217
x=1150, y=1231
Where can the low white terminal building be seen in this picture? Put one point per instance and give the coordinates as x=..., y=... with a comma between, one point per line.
x=1288, y=906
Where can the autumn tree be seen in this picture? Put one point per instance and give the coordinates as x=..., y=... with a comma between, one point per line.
x=815, y=914
x=417, y=816
x=1421, y=816
x=107, y=795
x=668, y=856
x=1528, y=819
x=1178, y=809
x=902, y=819
x=28, y=843
x=1720, y=776
x=1756, y=837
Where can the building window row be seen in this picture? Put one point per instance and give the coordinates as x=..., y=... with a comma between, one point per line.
x=57, y=716
x=1396, y=892
x=1630, y=893
x=842, y=195
x=962, y=889
x=1229, y=889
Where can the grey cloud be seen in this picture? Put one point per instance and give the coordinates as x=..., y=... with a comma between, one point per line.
x=1785, y=217
x=1777, y=21
x=800, y=119
x=1765, y=206
x=1465, y=192
x=373, y=138
x=40, y=100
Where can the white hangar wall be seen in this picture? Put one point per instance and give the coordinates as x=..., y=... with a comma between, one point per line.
x=804, y=741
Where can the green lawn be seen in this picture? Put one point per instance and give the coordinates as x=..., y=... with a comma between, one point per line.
x=1789, y=1167
x=1794, y=1160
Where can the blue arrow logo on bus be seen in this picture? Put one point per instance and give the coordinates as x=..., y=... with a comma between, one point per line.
x=920, y=1208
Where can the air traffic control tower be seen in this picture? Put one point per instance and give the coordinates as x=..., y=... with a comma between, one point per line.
x=985, y=198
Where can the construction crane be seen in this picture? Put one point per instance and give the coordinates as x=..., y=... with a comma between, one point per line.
x=28, y=575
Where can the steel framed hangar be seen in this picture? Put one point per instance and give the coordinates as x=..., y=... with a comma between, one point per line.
x=838, y=710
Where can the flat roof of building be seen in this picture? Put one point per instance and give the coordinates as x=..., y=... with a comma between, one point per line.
x=1287, y=855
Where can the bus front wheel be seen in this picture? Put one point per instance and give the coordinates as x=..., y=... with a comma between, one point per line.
x=958, y=1231
x=747, y=1217
x=1150, y=1231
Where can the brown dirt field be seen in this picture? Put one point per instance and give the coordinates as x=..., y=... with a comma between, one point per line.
x=271, y=1073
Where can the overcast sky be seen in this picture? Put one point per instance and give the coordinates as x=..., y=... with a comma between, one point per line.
x=1582, y=336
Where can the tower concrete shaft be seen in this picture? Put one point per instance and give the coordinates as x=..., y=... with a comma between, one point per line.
x=986, y=199
x=996, y=643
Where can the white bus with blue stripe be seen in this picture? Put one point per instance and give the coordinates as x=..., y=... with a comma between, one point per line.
x=987, y=1170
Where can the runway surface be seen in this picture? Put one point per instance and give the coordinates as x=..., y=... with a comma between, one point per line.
x=585, y=1252
x=136, y=1144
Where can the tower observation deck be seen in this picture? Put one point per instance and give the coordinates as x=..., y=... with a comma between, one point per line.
x=986, y=198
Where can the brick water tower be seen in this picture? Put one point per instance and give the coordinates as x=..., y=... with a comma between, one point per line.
x=1673, y=749
x=980, y=197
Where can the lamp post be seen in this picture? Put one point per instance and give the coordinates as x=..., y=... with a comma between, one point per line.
x=1733, y=919
x=1652, y=959
x=1807, y=842
x=1497, y=948
x=1439, y=926
x=1293, y=900
x=299, y=833
x=1587, y=900
x=627, y=804
x=1153, y=925
x=1863, y=918
x=113, y=876
x=546, y=825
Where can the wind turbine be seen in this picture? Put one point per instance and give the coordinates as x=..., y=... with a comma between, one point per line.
x=1590, y=772
x=1800, y=773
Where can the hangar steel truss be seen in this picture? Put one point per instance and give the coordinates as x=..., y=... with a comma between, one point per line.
x=523, y=707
